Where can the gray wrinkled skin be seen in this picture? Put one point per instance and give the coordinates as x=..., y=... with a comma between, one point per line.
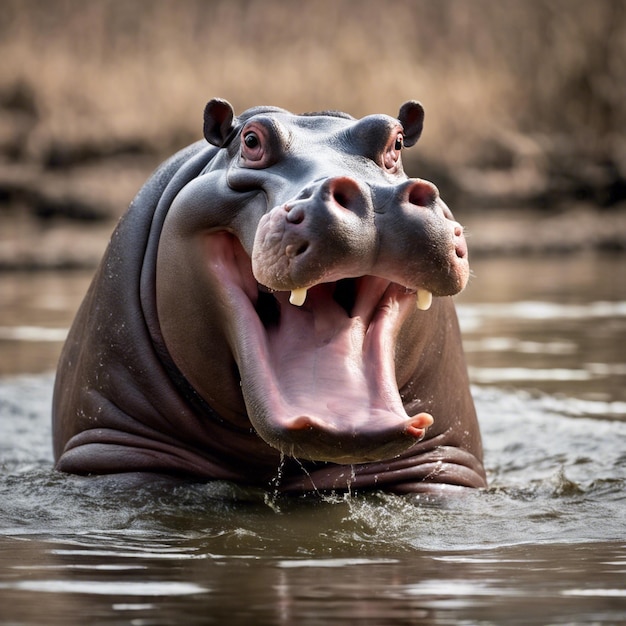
x=187, y=358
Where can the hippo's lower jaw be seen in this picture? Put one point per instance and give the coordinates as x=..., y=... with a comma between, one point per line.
x=319, y=380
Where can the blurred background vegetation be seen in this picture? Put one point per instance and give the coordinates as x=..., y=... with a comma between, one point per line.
x=524, y=101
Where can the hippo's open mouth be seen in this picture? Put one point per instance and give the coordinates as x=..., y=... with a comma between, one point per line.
x=319, y=379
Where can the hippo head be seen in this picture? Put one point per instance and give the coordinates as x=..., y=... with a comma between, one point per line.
x=312, y=261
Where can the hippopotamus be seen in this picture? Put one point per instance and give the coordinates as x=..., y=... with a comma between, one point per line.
x=275, y=309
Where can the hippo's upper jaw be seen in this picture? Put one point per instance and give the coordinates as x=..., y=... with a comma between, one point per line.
x=342, y=228
x=318, y=277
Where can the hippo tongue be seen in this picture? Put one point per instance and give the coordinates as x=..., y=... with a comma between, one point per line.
x=322, y=370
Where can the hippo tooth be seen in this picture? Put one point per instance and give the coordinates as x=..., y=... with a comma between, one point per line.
x=424, y=299
x=298, y=296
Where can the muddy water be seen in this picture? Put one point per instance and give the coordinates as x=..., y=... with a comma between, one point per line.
x=545, y=544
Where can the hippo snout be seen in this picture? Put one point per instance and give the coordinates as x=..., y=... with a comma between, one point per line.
x=342, y=228
x=328, y=232
x=424, y=194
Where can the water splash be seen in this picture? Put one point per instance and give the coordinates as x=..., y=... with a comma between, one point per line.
x=271, y=496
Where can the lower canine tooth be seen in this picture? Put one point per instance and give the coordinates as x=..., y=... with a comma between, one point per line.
x=424, y=299
x=298, y=296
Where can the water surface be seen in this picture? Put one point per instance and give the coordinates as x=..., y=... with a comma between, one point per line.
x=545, y=544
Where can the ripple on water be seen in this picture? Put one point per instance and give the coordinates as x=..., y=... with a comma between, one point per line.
x=544, y=542
x=540, y=461
x=98, y=587
x=480, y=313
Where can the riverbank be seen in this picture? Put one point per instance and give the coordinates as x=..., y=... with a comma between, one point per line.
x=524, y=131
x=62, y=217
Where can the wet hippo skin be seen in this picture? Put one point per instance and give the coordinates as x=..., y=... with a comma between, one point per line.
x=275, y=308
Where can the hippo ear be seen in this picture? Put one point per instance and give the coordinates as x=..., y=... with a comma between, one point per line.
x=218, y=121
x=411, y=117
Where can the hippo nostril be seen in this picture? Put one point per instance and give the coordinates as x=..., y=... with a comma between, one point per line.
x=342, y=200
x=292, y=250
x=295, y=215
x=423, y=193
x=460, y=247
x=346, y=193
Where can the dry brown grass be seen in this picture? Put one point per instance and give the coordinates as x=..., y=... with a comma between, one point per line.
x=114, y=69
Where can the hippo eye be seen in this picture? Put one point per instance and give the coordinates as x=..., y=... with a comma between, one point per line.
x=252, y=147
x=258, y=144
x=251, y=140
x=391, y=156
